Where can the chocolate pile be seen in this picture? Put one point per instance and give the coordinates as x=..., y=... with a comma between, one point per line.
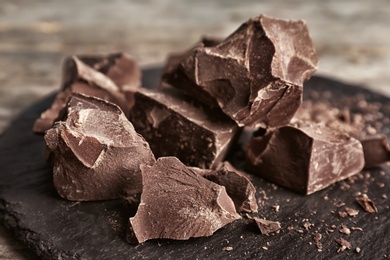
x=104, y=131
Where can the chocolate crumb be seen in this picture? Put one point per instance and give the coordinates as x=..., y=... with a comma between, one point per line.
x=345, y=230
x=317, y=237
x=357, y=228
x=351, y=212
x=344, y=244
x=367, y=204
x=343, y=214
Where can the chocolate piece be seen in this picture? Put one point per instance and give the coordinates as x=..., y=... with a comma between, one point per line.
x=376, y=150
x=120, y=68
x=367, y=204
x=317, y=237
x=96, y=152
x=306, y=157
x=266, y=226
x=85, y=75
x=177, y=203
x=344, y=244
x=255, y=75
x=237, y=185
x=175, y=125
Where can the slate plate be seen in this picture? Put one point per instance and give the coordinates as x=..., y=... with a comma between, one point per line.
x=59, y=229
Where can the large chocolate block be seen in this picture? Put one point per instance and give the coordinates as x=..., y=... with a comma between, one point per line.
x=95, y=152
x=177, y=203
x=255, y=75
x=305, y=157
x=113, y=78
x=175, y=125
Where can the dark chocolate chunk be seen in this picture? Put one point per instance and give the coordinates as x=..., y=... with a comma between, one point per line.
x=267, y=226
x=367, y=204
x=177, y=203
x=305, y=157
x=255, y=75
x=120, y=68
x=376, y=150
x=88, y=78
x=175, y=125
x=237, y=185
x=96, y=152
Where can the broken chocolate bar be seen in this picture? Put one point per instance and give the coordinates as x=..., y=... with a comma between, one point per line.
x=255, y=75
x=305, y=157
x=237, y=185
x=177, y=203
x=175, y=125
x=96, y=152
x=88, y=78
x=376, y=150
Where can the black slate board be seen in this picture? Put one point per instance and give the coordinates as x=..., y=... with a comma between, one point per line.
x=59, y=229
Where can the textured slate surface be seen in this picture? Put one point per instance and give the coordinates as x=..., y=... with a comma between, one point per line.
x=58, y=229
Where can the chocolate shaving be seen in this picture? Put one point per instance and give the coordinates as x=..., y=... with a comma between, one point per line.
x=367, y=204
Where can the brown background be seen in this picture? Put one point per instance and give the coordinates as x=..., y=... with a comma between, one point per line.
x=351, y=37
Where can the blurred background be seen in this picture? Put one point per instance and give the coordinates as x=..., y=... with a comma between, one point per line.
x=352, y=38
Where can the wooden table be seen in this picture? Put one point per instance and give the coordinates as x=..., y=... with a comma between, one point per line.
x=351, y=37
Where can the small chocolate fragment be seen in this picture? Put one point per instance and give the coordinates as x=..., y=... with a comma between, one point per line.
x=175, y=125
x=344, y=244
x=317, y=237
x=266, y=226
x=86, y=75
x=255, y=75
x=237, y=185
x=96, y=152
x=305, y=157
x=376, y=150
x=177, y=203
x=367, y=204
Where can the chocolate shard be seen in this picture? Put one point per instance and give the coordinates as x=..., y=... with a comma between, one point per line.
x=238, y=186
x=305, y=157
x=267, y=226
x=255, y=75
x=113, y=78
x=95, y=152
x=177, y=203
x=175, y=125
x=376, y=150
